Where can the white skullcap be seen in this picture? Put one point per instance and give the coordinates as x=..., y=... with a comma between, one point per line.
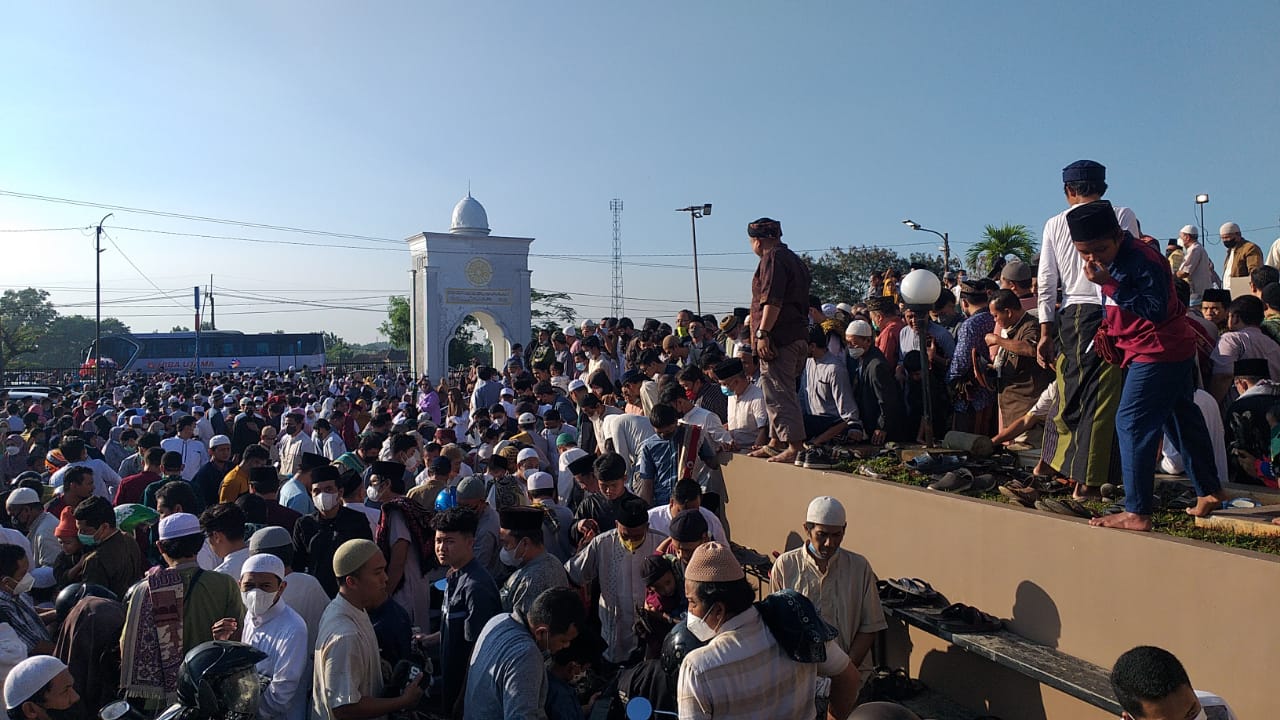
x=1228, y=228
x=218, y=441
x=1190, y=230
x=825, y=510
x=263, y=563
x=179, y=525
x=541, y=481
x=829, y=309
x=527, y=419
x=22, y=496
x=527, y=454
x=571, y=331
x=845, y=307
x=576, y=385
x=859, y=328
x=27, y=677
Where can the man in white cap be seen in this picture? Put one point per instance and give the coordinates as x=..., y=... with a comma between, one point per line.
x=875, y=386
x=1243, y=257
x=1196, y=268
x=28, y=515
x=347, y=672
x=192, y=448
x=37, y=685
x=273, y=627
x=742, y=669
x=208, y=479
x=841, y=583
x=302, y=592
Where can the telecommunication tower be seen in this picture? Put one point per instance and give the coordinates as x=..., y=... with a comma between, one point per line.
x=616, y=307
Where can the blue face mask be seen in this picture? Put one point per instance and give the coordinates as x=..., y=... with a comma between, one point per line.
x=580, y=366
x=87, y=540
x=727, y=392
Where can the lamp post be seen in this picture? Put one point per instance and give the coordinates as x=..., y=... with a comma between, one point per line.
x=946, y=242
x=1201, y=200
x=920, y=290
x=695, y=212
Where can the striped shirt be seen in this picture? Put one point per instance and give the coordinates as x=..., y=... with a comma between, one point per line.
x=19, y=613
x=743, y=674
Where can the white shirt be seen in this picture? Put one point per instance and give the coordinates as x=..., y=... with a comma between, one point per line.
x=710, y=424
x=332, y=446
x=1061, y=266
x=660, y=521
x=307, y=597
x=1172, y=462
x=627, y=433
x=291, y=449
x=194, y=454
x=282, y=635
x=1199, y=269
x=232, y=563
x=1273, y=255
x=747, y=415
x=43, y=543
x=105, y=480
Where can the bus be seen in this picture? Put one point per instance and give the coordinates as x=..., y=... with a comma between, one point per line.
x=220, y=351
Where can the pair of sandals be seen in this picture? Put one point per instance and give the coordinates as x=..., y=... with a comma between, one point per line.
x=1067, y=506
x=908, y=593
x=966, y=619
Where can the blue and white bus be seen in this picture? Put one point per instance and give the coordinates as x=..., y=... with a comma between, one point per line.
x=220, y=351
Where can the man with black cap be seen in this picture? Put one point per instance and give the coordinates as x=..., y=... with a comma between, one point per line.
x=265, y=483
x=1148, y=326
x=748, y=420
x=1088, y=387
x=295, y=493
x=779, y=316
x=318, y=535
x=403, y=533
x=615, y=559
x=523, y=548
x=584, y=497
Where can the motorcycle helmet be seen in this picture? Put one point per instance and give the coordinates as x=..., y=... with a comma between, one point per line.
x=220, y=680
x=71, y=595
x=446, y=498
x=676, y=645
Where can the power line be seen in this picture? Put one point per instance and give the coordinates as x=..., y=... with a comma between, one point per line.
x=139, y=270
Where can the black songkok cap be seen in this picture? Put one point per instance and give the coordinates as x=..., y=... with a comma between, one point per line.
x=688, y=526
x=1253, y=367
x=632, y=511
x=1091, y=221
x=387, y=469
x=726, y=369
x=1216, y=295
x=583, y=465
x=311, y=461
x=1084, y=171
x=764, y=227
x=520, y=519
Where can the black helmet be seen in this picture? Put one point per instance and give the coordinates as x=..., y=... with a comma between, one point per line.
x=72, y=594
x=218, y=679
x=676, y=645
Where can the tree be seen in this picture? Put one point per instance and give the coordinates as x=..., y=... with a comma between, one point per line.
x=25, y=315
x=337, y=350
x=68, y=338
x=843, y=275
x=999, y=242
x=549, y=310
x=932, y=263
x=463, y=345
x=396, y=327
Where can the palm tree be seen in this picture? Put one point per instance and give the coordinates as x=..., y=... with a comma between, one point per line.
x=1001, y=241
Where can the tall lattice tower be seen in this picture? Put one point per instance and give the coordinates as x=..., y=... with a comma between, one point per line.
x=616, y=307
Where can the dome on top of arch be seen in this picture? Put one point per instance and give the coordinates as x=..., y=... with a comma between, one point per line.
x=469, y=217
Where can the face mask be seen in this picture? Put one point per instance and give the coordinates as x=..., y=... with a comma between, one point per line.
x=699, y=628
x=509, y=558
x=631, y=545
x=814, y=551
x=258, y=601
x=690, y=395
x=727, y=392
x=87, y=540
x=327, y=501
x=25, y=584
x=580, y=366
x=11, y=449
x=371, y=493
x=413, y=461
x=856, y=352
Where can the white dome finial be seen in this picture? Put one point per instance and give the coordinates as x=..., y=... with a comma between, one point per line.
x=469, y=217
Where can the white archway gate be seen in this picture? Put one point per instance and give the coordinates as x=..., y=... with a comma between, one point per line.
x=464, y=272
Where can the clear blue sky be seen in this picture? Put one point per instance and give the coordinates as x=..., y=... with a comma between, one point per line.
x=838, y=118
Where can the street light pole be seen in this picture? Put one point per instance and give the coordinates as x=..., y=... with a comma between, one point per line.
x=1201, y=200
x=946, y=242
x=97, y=325
x=695, y=212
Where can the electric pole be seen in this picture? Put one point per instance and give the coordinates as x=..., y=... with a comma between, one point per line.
x=97, y=330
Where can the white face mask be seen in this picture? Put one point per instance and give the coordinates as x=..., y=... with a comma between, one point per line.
x=371, y=493
x=508, y=558
x=11, y=449
x=856, y=352
x=24, y=585
x=327, y=501
x=413, y=461
x=258, y=601
x=699, y=628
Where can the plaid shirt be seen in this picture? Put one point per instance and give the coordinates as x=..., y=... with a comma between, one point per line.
x=19, y=613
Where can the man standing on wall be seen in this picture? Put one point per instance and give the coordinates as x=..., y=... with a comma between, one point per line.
x=779, y=314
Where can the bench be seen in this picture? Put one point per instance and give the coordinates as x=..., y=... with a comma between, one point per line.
x=933, y=705
x=755, y=565
x=1071, y=675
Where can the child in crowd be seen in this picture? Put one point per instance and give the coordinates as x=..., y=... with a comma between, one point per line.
x=664, y=593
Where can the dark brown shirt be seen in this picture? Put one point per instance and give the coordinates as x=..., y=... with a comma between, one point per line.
x=115, y=563
x=782, y=280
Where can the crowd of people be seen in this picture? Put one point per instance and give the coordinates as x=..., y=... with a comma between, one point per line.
x=550, y=537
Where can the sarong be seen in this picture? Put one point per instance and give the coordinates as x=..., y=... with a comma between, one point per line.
x=1089, y=397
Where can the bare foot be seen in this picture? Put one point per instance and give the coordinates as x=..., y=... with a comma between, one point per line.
x=786, y=456
x=1124, y=521
x=1043, y=468
x=1206, y=505
x=1084, y=492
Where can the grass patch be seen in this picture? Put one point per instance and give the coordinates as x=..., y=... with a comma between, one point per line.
x=1170, y=522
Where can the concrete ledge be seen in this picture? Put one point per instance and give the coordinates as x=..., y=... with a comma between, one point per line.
x=1090, y=592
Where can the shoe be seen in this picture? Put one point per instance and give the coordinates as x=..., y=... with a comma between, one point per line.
x=1020, y=494
x=818, y=458
x=957, y=481
x=800, y=456
x=1111, y=491
x=983, y=483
